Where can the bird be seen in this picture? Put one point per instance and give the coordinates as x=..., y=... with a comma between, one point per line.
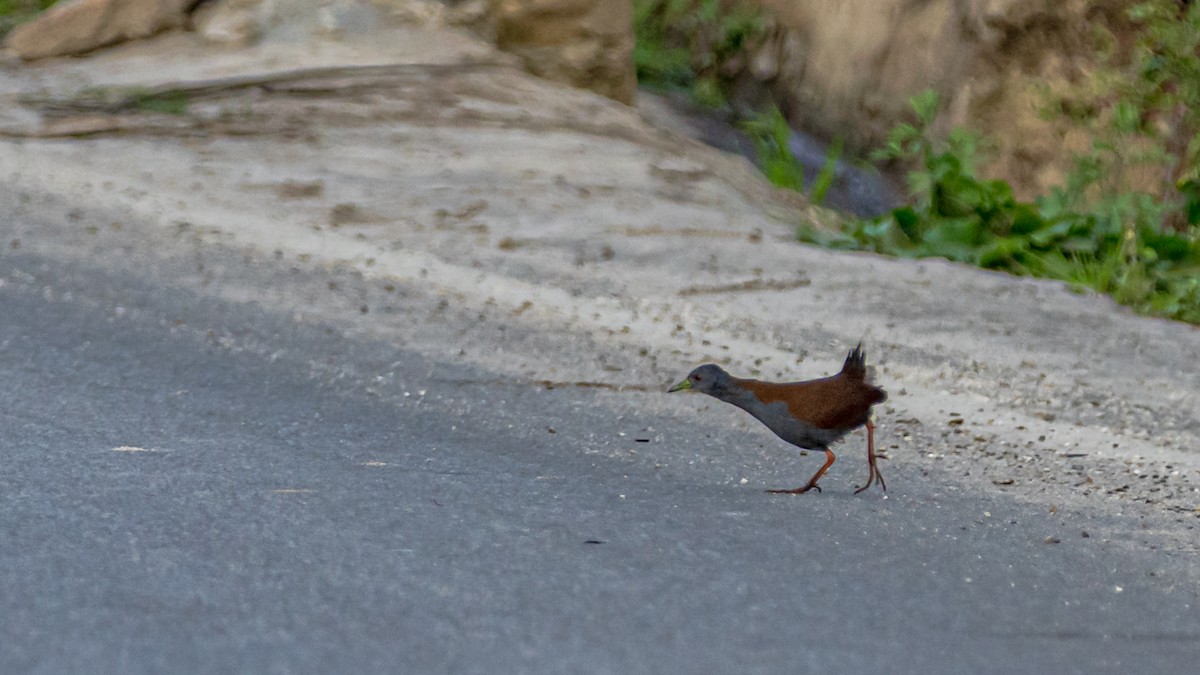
x=811, y=415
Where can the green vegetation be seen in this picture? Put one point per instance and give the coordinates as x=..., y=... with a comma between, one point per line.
x=828, y=173
x=770, y=134
x=14, y=12
x=1112, y=242
x=117, y=100
x=172, y=102
x=1126, y=222
x=694, y=45
x=17, y=7
x=1155, y=102
x=688, y=44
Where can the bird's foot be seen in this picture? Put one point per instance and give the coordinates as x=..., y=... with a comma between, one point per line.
x=796, y=491
x=876, y=477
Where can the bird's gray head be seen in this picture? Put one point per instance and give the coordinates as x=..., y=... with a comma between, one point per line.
x=707, y=379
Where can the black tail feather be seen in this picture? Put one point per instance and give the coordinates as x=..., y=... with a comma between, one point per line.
x=856, y=361
x=857, y=368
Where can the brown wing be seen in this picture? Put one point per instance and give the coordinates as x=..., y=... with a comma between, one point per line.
x=839, y=402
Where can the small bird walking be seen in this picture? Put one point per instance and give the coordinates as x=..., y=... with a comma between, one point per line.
x=811, y=414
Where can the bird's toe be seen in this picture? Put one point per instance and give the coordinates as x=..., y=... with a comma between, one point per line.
x=795, y=491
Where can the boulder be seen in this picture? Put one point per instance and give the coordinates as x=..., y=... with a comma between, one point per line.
x=79, y=26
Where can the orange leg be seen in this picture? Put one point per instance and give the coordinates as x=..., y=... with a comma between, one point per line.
x=812, y=482
x=875, y=473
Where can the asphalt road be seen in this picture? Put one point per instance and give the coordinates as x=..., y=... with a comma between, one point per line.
x=193, y=483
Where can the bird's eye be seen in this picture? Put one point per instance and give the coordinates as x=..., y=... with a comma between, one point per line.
x=697, y=378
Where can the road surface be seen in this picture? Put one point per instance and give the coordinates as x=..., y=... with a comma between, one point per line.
x=214, y=463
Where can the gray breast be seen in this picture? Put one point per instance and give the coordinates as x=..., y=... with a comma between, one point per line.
x=776, y=418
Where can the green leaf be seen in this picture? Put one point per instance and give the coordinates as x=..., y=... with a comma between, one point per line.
x=1002, y=253
x=906, y=220
x=1025, y=219
x=1079, y=244
x=955, y=231
x=1127, y=117
x=1171, y=247
x=925, y=106
x=826, y=238
x=828, y=173
x=1051, y=234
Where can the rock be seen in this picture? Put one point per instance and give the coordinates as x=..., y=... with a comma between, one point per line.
x=584, y=43
x=246, y=22
x=232, y=22
x=80, y=26
x=474, y=15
